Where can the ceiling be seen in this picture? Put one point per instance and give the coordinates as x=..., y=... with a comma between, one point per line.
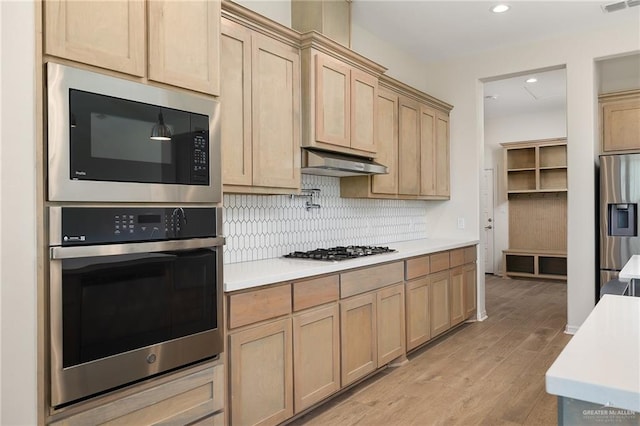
x=442, y=30
x=514, y=96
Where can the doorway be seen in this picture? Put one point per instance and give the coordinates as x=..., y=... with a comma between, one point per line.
x=517, y=108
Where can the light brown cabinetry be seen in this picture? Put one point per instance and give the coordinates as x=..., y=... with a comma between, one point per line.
x=439, y=287
x=316, y=356
x=108, y=34
x=169, y=42
x=339, y=88
x=260, y=111
x=456, y=296
x=414, y=142
x=372, y=319
x=358, y=337
x=372, y=331
x=184, y=44
x=418, y=312
x=184, y=399
x=620, y=121
x=261, y=374
x=470, y=288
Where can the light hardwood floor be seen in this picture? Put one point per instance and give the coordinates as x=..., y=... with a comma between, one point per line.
x=483, y=373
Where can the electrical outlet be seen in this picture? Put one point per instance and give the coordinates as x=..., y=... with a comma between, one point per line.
x=461, y=223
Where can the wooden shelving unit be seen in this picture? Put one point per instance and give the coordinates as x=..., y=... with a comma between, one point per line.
x=535, y=181
x=535, y=166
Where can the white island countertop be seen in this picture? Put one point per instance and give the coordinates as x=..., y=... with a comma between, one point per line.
x=244, y=275
x=601, y=363
x=631, y=269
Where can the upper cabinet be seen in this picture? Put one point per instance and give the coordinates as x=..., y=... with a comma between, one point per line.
x=620, y=122
x=260, y=108
x=339, y=89
x=179, y=46
x=184, y=43
x=412, y=134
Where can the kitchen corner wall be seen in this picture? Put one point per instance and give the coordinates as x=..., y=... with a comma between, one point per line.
x=266, y=226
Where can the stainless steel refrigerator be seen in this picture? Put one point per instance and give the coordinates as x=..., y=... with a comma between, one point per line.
x=619, y=201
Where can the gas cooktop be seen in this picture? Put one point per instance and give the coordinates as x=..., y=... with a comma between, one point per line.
x=339, y=253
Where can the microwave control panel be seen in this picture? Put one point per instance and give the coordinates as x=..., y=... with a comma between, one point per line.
x=103, y=225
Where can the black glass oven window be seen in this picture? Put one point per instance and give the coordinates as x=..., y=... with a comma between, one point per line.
x=116, y=304
x=110, y=140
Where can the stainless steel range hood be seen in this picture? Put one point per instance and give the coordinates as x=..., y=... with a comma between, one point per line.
x=324, y=163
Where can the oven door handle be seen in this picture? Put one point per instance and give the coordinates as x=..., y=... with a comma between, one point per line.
x=148, y=247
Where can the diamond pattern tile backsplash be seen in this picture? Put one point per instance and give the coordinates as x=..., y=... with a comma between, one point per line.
x=266, y=226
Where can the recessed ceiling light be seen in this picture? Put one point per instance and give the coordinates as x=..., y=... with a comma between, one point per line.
x=500, y=8
x=531, y=80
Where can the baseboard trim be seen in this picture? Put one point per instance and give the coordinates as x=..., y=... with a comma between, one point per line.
x=570, y=329
x=482, y=316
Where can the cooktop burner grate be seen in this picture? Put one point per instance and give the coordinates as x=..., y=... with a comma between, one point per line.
x=339, y=253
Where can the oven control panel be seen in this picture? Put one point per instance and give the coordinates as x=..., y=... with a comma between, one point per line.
x=100, y=225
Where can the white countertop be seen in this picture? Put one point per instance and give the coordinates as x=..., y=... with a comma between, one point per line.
x=631, y=269
x=239, y=276
x=601, y=363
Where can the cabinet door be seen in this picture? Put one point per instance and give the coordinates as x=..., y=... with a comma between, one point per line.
x=470, y=290
x=275, y=113
x=107, y=34
x=364, y=93
x=621, y=125
x=439, y=302
x=456, y=296
x=333, y=101
x=261, y=374
x=442, y=155
x=418, y=321
x=387, y=142
x=428, y=165
x=358, y=337
x=184, y=44
x=316, y=355
x=235, y=108
x=408, y=147
x=391, y=323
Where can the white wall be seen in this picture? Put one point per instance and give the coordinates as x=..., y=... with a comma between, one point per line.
x=460, y=81
x=522, y=127
x=18, y=399
x=277, y=10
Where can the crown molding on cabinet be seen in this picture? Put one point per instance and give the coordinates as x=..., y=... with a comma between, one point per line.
x=413, y=93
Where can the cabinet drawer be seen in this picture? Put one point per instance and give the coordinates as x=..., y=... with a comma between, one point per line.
x=417, y=267
x=180, y=401
x=314, y=292
x=368, y=279
x=456, y=257
x=439, y=262
x=470, y=254
x=259, y=305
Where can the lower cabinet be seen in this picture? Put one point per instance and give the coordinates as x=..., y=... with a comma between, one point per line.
x=439, y=302
x=261, y=374
x=316, y=355
x=358, y=337
x=372, y=331
x=418, y=312
x=456, y=296
x=391, y=324
x=194, y=398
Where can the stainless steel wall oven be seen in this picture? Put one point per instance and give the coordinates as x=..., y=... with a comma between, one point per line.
x=134, y=291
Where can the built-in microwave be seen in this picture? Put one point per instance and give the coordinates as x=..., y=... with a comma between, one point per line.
x=115, y=140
